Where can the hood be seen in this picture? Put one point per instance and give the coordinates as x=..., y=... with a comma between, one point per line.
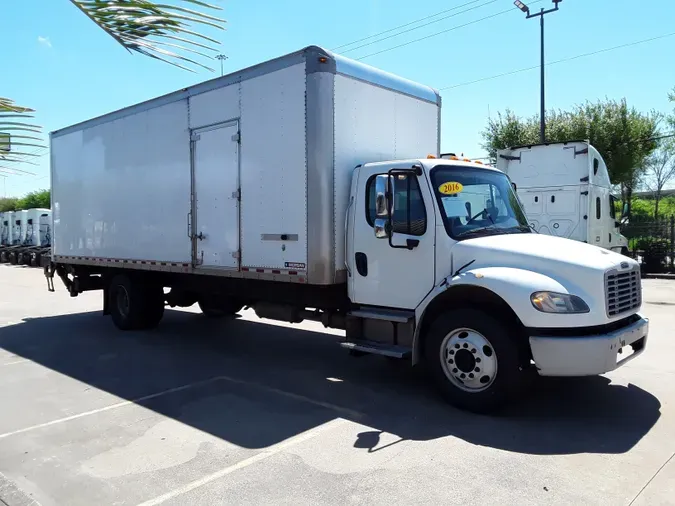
x=543, y=253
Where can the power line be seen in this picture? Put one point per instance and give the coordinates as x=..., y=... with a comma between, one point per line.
x=421, y=26
x=584, y=55
x=404, y=25
x=435, y=34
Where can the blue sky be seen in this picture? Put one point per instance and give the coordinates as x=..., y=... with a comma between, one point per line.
x=59, y=63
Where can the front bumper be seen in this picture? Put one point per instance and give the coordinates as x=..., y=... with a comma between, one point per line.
x=588, y=355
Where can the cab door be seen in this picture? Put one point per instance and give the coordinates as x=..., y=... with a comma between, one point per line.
x=396, y=272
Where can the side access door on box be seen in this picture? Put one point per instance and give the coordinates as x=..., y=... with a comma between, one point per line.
x=214, y=227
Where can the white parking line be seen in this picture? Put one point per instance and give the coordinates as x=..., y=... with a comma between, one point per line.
x=291, y=395
x=265, y=454
x=108, y=408
x=17, y=361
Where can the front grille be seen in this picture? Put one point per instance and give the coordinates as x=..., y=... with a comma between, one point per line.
x=623, y=291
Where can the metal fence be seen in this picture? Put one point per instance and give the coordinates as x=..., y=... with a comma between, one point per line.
x=652, y=241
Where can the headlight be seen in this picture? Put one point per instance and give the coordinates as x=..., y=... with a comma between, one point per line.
x=551, y=302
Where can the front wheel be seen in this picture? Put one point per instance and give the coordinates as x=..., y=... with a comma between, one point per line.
x=474, y=360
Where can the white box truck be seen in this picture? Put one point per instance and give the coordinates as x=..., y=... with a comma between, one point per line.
x=565, y=190
x=269, y=188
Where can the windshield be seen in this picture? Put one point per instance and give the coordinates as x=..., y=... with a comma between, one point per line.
x=476, y=202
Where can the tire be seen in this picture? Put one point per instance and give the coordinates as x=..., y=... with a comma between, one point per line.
x=133, y=304
x=154, y=311
x=218, y=307
x=12, y=257
x=484, y=365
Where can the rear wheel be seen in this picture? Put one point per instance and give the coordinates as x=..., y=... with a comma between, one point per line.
x=474, y=360
x=214, y=306
x=135, y=305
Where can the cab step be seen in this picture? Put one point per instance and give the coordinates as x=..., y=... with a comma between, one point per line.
x=390, y=315
x=375, y=348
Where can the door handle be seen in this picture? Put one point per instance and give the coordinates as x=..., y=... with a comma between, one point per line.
x=189, y=224
x=200, y=236
x=361, y=261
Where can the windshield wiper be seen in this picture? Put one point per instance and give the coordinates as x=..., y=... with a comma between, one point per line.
x=481, y=230
x=479, y=213
x=525, y=228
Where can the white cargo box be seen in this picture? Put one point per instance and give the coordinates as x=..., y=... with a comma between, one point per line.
x=246, y=175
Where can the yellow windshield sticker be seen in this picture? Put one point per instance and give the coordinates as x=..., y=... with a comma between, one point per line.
x=450, y=188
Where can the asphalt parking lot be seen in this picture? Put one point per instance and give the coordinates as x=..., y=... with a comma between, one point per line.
x=246, y=412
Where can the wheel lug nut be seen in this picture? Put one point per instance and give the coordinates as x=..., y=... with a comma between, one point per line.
x=451, y=361
x=478, y=360
x=454, y=370
x=457, y=346
x=466, y=345
x=477, y=369
x=471, y=375
x=462, y=376
x=474, y=351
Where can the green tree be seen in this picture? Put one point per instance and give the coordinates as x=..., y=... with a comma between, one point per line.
x=34, y=199
x=151, y=28
x=621, y=134
x=659, y=171
x=8, y=204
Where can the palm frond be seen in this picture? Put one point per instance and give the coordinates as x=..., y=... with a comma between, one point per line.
x=13, y=138
x=141, y=25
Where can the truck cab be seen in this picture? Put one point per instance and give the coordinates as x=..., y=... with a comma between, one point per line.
x=566, y=192
x=442, y=251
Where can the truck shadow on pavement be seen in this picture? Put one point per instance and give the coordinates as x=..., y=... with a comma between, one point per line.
x=255, y=385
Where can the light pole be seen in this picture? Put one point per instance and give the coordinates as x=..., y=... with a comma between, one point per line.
x=222, y=58
x=541, y=13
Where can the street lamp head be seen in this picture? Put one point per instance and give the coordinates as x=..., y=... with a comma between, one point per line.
x=522, y=6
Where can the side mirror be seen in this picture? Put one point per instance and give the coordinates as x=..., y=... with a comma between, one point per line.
x=515, y=188
x=384, y=206
x=625, y=213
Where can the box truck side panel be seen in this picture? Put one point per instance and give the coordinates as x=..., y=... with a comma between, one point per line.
x=274, y=171
x=121, y=188
x=215, y=106
x=373, y=124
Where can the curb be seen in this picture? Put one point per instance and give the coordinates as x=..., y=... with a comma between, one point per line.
x=11, y=495
x=659, y=276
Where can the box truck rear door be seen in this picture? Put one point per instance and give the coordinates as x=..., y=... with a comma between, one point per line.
x=215, y=165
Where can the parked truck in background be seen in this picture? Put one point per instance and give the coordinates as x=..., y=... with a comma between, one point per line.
x=301, y=188
x=26, y=236
x=565, y=190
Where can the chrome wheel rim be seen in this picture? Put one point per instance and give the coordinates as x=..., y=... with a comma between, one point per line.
x=123, y=301
x=469, y=360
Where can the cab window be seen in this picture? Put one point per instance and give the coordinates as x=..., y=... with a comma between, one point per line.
x=410, y=215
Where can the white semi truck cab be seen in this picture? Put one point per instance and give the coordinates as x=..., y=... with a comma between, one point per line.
x=445, y=247
x=423, y=259
x=566, y=191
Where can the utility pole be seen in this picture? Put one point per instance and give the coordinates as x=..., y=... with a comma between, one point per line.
x=542, y=105
x=222, y=58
